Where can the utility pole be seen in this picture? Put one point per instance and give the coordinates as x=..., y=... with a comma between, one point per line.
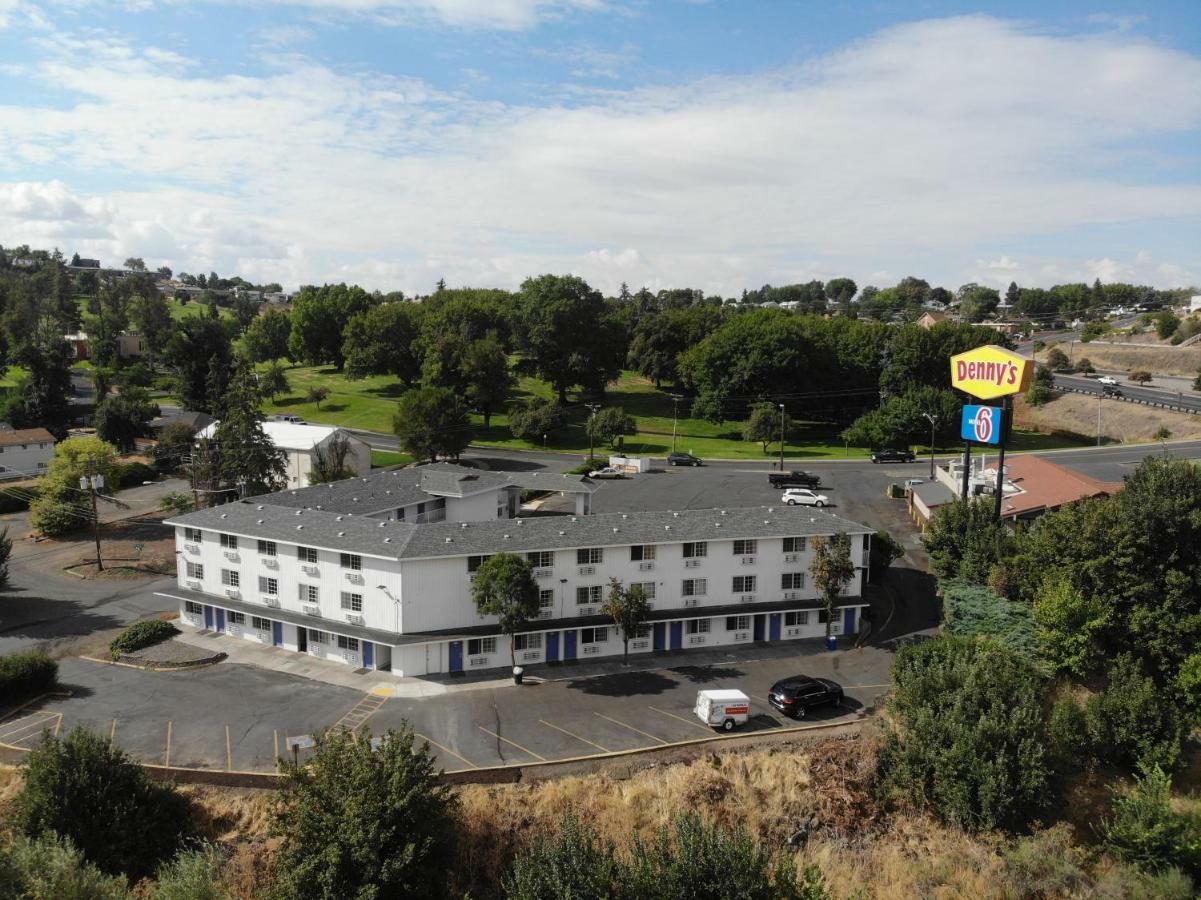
x=90, y=483
x=1004, y=431
x=933, y=420
x=781, y=405
x=1100, y=397
x=675, y=417
x=591, y=418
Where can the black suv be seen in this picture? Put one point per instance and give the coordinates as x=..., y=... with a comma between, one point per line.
x=797, y=695
x=893, y=456
x=683, y=459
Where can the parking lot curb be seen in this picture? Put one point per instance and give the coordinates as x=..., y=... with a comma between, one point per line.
x=158, y=667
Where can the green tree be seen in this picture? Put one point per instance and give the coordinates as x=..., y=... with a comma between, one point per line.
x=767, y=423
x=1146, y=831
x=1197, y=381
x=245, y=310
x=151, y=315
x=60, y=506
x=198, y=345
x=885, y=551
x=432, y=422
x=1166, y=324
x=383, y=341
x=832, y=569
x=965, y=541
x=629, y=609
x=533, y=419
x=504, y=586
x=51, y=868
x=266, y=340
x=41, y=396
x=842, y=291
x=316, y=394
x=977, y=303
x=966, y=737
x=124, y=417
x=274, y=380
x=86, y=790
x=1057, y=360
x=1133, y=722
x=319, y=318
x=571, y=864
x=364, y=821
x=246, y=456
x=485, y=371
x=6, y=552
x=609, y=424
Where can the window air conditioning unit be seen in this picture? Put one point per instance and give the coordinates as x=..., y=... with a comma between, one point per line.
x=646, y=566
x=690, y=601
x=640, y=644
x=531, y=656
x=192, y=548
x=696, y=639
x=269, y=563
x=545, y=613
x=742, y=635
x=792, y=557
x=587, y=570
x=354, y=577
x=792, y=595
x=747, y=598
x=193, y=585
x=692, y=563
x=231, y=555
x=354, y=618
x=585, y=611
x=311, y=571
x=592, y=649
x=272, y=602
x=748, y=560
x=233, y=593
x=543, y=573
x=477, y=662
x=312, y=610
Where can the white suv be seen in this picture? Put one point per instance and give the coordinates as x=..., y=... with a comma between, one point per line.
x=804, y=497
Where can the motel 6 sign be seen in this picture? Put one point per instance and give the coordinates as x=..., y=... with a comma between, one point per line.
x=989, y=372
x=981, y=424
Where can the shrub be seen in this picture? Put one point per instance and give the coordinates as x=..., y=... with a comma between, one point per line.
x=1057, y=360
x=191, y=875
x=972, y=609
x=6, y=551
x=141, y=634
x=1134, y=723
x=1146, y=832
x=53, y=517
x=25, y=674
x=52, y=869
x=358, y=821
x=1140, y=377
x=1067, y=734
x=1166, y=324
x=1047, y=863
x=536, y=418
x=1039, y=394
x=86, y=790
x=1085, y=365
x=573, y=863
x=132, y=474
x=885, y=550
x=967, y=739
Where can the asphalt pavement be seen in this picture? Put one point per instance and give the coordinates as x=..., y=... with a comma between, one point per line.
x=1184, y=401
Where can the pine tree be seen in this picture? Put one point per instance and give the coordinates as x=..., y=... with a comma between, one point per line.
x=215, y=387
x=248, y=458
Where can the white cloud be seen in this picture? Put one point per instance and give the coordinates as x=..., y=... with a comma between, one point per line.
x=917, y=150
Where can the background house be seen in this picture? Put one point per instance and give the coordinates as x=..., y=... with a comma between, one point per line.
x=302, y=443
x=24, y=452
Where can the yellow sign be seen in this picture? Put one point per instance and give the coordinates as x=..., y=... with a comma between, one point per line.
x=989, y=371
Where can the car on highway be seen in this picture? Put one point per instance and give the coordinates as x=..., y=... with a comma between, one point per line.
x=606, y=472
x=804, y=497
x=893, y=455
x=796, y=695
x=1109, y=391
x=683, y=459
x=795, y=478
x=1107, y=380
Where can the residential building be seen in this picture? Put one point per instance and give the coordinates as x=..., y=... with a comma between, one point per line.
x=930, y=318
x=298, y=571
x=25, y=452
x=171, y=414
x=302, y=444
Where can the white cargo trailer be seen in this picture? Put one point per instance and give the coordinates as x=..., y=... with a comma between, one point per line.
x=723, y=709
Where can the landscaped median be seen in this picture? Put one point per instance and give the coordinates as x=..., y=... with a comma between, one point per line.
x=148, y=645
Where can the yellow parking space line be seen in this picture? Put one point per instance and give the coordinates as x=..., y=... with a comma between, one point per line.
x=229, y=752
x=58, y=724
x=576, y=736
x=632, y=728
x=699, y=725
x=167, y=757
x=434, y=743
x=112, y=733
x=513, y=743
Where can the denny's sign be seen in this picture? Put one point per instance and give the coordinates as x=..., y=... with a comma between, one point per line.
x=989, y=371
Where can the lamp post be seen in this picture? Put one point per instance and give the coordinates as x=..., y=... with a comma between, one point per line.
x=933, y=420
x=781, y=405
x=675, y=418
x=591, y=418
x=394, y=600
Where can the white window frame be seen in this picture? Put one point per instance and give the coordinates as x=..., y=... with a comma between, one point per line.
x=546, y=598
x=541, y=559
x=589, y=595
x=307, y=555
x=795, y=544
x=792, y=581
x=267, y=548
x=746, y=547
x=589, y=556
x=799, y=618
x=195, y=570
x=352, y=602
x=231, y=578
x=484, y=646
x=698, y=626
x=351, y=561
x=268, y=586
x=348, y=643
x=696, y=549
x=234, y=617
x=229, y=541
x=741, y=623
x=309, y=593
x=694, y=587
x=598, y=635
x=648, y=588
x=474, y=562
x=191, y=607
x=527, y=641
x=258, y=623
x=317, y=636
x=193, y=535
x=745, y=584
x=643, y=552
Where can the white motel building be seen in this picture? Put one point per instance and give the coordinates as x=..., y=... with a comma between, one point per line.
x=376, y=572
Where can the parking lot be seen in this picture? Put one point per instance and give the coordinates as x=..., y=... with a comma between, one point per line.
x=235, y=717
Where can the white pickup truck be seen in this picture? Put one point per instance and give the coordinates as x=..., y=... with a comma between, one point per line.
x=723, y=709
x=1107, y=379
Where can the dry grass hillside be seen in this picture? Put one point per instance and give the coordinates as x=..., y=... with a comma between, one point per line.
x=1158, y=360
x=1076, y=415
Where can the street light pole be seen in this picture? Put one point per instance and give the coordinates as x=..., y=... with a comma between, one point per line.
x=675, y=417
x=781, y=405
x=591, y=418
x=89, y=483
x=1100, y=397
x=933, y=420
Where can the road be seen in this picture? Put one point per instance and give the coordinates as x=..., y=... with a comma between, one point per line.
x=1185, y=401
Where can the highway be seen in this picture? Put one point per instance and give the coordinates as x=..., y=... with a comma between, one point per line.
x=1184, y=401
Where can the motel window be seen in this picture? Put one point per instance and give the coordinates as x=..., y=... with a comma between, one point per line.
x=348, y=643
x=696, y=549
x=268, y=586
x=237, y=618
x=695, y=587
x=541, y=559
x=195, y=570
x=230, y=578
x=792, y=581
x=260, y=624
x=744, y=584
x=481, y=646
x=594, y=635
x=316, y=637
x=792, y=619
x=306, y=554
x=738, y=623
x=309, y=593
x=794, y=545
x=821, y=616
x=474, y=563
x=697, y=626
x=642, y=631
x=546, y=599
x=267, y=548
x=589, y=556
x=589, y=594
x=745, y=548
x=642, y=552
x=352, y=561
x=192, y=608
x=192, y=535
x=353, y=602
x=648, y=588
x=527, y=642
x=229, y=541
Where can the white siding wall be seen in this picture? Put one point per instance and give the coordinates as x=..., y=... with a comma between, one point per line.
x=358, y=459
x=22, y=460
x=476, y=508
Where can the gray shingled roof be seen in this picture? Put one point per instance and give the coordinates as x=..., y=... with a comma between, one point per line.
x=377, y=537
x=403, y=487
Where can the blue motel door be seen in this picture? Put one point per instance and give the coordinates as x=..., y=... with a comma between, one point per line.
x=277, y=634
x=552, y=646
x=568, y=645
x=220, y=620
x=848, y=622
x=773, y=627
x=660, y=640
x=677, y=635
x=208, y=617
x=456, y=656
x=368, y=655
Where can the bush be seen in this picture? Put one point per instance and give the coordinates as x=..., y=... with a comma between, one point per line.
x=967, y=739
x=6, y=551
x=536, y=418
x=1039, y=394
x=52, y=869
x=191, y=875
x=1134, y=723
x=1140, y=377
x=885, y=550
x=972, y=609
x=1057, y=360
x=141, y=634
x=1146, y=832
x=86, y=790
x=572, y=863
x=358, y=821
x=25, y=674
x=132, y=474
x=1085, y=365
x=53, y=517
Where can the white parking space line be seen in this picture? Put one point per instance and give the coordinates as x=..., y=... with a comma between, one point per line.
x=576, y=736
x=512, y=743
x=631, y=728
x=691, y=722
x=447, y=750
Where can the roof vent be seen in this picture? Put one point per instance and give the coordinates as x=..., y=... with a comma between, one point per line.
x=318, y=506
x=769, y=509
x=623, y=515
x=299, y=511
x=449, y=540
x=561, y=533
x=354, y=499
x=506, y=537
x=387, y=492
x=573, y=518
x=667, y=528
x=364, y=480
x=341, y=534
x=259, y=507
x=462, y=524
x=717, y=524
x=259, y=522
x=518, y=521
x=226, y=516
x=382, y=524
x=767, y=521
x=812, y=519
x=616, y=529
x=675, y=515
x=299, y=527
x=337, y=518
x=293, y=493
x=723, y=512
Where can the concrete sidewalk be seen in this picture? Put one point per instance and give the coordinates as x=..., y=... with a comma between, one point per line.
x=385, y=684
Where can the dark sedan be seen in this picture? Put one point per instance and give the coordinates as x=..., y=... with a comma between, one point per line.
x=795, y=696
x=893, y=455
x=683, y=459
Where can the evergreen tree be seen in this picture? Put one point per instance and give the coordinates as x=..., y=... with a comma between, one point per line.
x=1012, y=293
x=215, y=387
x=247, y=457
x=41, y=397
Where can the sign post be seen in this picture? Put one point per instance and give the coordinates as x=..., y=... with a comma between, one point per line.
x=989, y=373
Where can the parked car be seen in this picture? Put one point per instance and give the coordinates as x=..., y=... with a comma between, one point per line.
x=1108, y=391
x=795, y=478
x=294, y=420
x=683, y=459
x=893, y=455
x=723, y=708
x=804, y=497
x=1107, y=379
x=796, y=695
x=606, y=472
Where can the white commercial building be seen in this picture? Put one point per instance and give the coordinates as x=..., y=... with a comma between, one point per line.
x=353, y=572
x=25, y=452
x=302, y=444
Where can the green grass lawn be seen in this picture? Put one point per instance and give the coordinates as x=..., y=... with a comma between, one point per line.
x=382, y=458
x=178, y=310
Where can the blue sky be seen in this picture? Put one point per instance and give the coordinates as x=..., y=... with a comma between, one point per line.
x=711, y=144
